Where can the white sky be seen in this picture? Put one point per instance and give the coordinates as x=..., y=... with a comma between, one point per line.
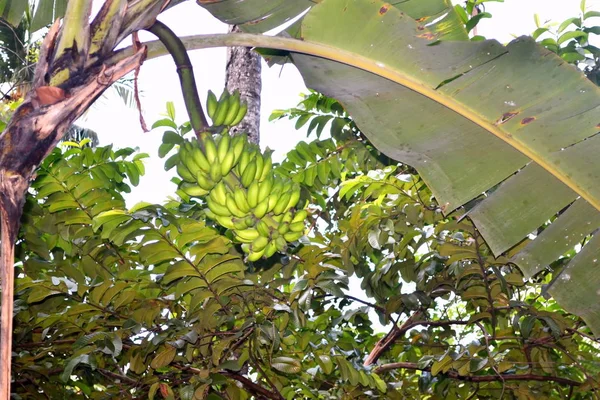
x=281, y=87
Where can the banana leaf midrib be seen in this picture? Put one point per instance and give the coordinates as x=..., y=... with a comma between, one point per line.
x=195, y=42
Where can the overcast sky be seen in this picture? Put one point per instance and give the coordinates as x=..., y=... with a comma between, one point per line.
x=281, y=86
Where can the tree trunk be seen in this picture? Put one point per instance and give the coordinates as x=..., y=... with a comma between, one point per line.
x=12, y=197
x=243, y=74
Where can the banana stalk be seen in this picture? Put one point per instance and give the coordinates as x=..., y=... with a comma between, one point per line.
x=73, y=42
x=106, y=27
x=186, y=75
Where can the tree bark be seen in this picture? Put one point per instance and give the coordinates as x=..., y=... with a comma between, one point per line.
x=12, y=198
x=243, y=73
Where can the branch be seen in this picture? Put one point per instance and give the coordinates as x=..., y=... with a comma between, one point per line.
x=480, y=378
x=366, y=303
x=186, y=74
x=384, y=344
x=251, y=386
x=486, y=281
x=114, y=375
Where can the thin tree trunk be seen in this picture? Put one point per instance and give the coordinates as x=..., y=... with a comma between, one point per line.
x=243, y=73
x=12, y=197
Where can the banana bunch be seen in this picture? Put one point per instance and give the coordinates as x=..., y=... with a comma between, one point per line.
x=228, y=110
x=204, y=163
x=242, y=192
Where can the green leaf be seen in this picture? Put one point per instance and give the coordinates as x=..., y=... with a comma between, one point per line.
x=164, y=357
x=171, y=110
x=286, y=365
x=164, y=122
x=39, y=293
x=153, y=389
x=172, y=138
x=527, y=325
x=567, y=22
x=439, y=366
x=591, y=14
x=73, y=362
x=477, y=364
x=571, y=35
x=325, y=363
x=46, y=12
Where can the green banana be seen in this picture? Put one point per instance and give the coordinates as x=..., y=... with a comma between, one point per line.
x=259, y=243
x=246, y=235
x=227, y=163
x=270, y=221
x=280, y=244
x=283, y=228
x=211, y=104
x=277, y=187
x=204, y=181
x=246, y=158
x=217, y=208
x=267, y=167
x=240, y=223
x=287, y=217
x=271, y=249
x=272, y=201
x=215, y=172
x=227, y=222
x=233, y=208
x=219, y=193
x=210, y=214
x=238, y=143
x=250, y=221
x=282, y=203
x=223, y=146
x=252, y=195
x=260, y=162
x=186, y=158
x=240, y=115
x=192, y=190
x=261, y=208
x=199, y=158
x=293, y=236
x=297, y=226
x=294, y=198
x=263, y=228
x=239, y=195
x=233, y=108
x=185, y=173
x=248, y=175
x=222, y=109
x=265, y=188
x=300, y=215
x=255, y=255
x=210, y=148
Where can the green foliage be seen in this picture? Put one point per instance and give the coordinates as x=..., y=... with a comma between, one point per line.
x=156, y=301
x=570, y=40
x=471, y=14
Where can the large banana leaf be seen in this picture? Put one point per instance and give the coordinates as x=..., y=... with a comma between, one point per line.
x=515, y=122
x=45, y=12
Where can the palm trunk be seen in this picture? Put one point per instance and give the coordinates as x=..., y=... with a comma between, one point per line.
x=243, y=73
